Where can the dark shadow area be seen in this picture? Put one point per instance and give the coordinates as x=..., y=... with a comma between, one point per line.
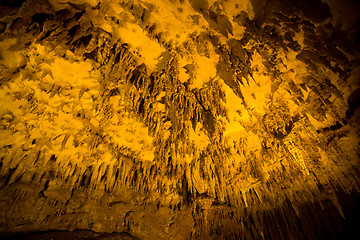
x=311, y=221
x=67, y=235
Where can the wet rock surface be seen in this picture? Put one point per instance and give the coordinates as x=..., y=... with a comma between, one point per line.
x=178, y=120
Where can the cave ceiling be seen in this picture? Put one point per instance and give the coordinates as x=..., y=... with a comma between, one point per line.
x=180, y=119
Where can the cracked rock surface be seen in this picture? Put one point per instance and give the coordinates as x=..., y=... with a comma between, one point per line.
x=179, y=119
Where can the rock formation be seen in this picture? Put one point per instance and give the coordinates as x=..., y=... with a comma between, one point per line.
x=180, y=119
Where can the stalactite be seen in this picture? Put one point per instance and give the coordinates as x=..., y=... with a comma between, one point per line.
x=221, y=120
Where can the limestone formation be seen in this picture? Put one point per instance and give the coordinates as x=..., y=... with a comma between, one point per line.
x=179, y=119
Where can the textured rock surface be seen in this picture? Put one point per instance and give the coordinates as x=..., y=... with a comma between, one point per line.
x=180, y=119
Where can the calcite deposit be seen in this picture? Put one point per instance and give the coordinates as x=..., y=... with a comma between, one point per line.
x=179, y=119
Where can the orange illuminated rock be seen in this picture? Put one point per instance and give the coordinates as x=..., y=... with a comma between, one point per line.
x=179, y=119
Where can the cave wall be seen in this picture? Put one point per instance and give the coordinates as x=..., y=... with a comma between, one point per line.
x=180, y=119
